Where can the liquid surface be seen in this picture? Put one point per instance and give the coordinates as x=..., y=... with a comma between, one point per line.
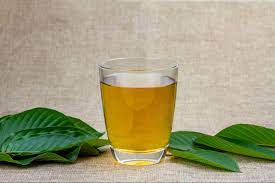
x=138, y=110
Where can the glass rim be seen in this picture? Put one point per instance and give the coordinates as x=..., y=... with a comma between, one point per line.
x=173, y=64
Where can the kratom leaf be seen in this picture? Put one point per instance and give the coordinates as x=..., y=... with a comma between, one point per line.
x=39, y=140
x=183, y=140
x=40, y=118
x=208, y=157
x=77, y=123
x=48, y=156
x=182, y=145
x=98, y=142
x=43, y=134
x=91, y=147
x=88, y=150
x=236, y=146
x=251, y=133
x=4, y=118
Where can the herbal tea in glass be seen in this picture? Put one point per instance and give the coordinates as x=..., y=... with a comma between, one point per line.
x=138, y=108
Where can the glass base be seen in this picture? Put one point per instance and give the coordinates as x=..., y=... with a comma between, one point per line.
x=138, y=158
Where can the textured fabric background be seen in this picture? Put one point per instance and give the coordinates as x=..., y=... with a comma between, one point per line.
x=48, y=56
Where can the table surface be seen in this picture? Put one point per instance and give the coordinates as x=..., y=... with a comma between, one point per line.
x=48, y=56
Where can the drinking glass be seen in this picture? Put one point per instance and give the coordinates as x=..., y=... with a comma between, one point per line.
x=138, y=98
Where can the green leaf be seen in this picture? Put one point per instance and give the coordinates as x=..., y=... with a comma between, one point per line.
x=83, y=126
x=7, y=158
x=69, y=157
x=182, y=145
x=251, y=133
x=88, y=150
x=208, y=157
x=236, y=146
x=90, y=147
x=34, y=141
x=183, y=140
x=98, y=142
x=4, y=118
x=40, y=118
x=42, y=134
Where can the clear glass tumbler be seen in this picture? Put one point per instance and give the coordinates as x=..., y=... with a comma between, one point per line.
x=138, y=97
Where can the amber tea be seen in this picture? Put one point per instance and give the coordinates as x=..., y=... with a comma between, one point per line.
x=138, y=111
x=138, y=97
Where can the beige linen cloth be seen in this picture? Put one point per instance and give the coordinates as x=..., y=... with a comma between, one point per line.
x=49, y=51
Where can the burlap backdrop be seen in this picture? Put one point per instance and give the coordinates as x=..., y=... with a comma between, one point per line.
x=48, y=55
